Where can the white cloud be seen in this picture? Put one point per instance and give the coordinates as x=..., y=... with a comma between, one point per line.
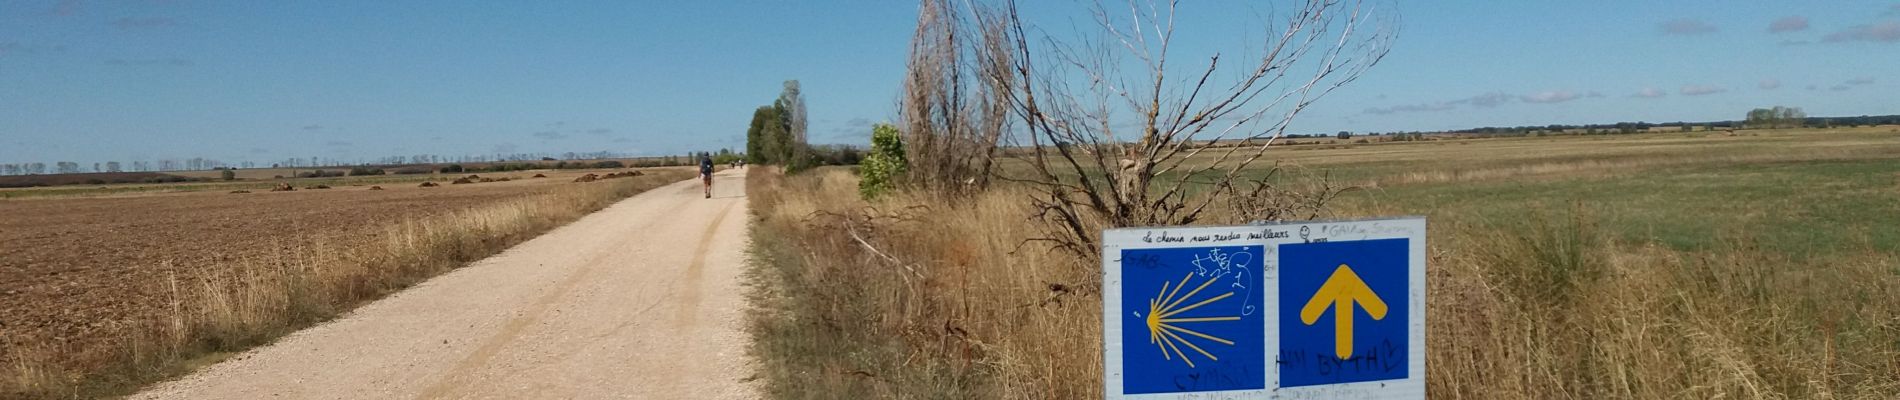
x=1769, y=84
x=1699, y=90
x=1486, y=100
x=1884, y=32
x=1650, y=93
x=1686, y=27
x=143, y=22
x=11, y=47
x=1790, y=23
x=1852, y=83
x=1440, y=106
x=155, y=62
x=1550, y=97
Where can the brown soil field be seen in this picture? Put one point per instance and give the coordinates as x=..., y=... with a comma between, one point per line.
x=19, y=181
x=77, y=271
x=272, y=173
x=247, y=180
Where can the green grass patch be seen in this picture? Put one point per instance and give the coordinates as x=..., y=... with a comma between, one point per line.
x=1801, y=208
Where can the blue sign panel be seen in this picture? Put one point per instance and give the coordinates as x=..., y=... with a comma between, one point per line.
x=1343, y=312
x=1192, y=319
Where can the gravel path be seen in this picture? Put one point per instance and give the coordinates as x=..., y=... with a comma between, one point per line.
x=640, y=300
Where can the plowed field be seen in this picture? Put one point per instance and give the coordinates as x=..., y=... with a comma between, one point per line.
x=76, y=272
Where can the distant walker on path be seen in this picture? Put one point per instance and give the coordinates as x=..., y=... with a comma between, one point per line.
x=705, y=173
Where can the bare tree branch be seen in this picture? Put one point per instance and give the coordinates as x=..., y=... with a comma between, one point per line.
x=1202, y=134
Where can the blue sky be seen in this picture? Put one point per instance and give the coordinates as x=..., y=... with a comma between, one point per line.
x=94, y=81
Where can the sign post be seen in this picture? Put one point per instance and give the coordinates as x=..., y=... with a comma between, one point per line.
x=1299, y=310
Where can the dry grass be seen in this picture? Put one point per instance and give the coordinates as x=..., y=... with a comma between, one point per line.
x=224, y=310
x=950, y=304
x=1553, y=308
x=910, y=297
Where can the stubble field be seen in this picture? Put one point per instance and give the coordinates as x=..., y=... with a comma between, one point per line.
x=106, y=289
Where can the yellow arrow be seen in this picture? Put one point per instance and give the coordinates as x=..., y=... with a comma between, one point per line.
x=1340, y=291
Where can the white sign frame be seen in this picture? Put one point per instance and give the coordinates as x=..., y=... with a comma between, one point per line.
x=1271, y=236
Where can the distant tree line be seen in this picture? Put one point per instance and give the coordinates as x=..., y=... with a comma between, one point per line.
x=1863, y=120
x=201, y=164
x=670, y=160
x=1775, y=117
x=1596, y=129
x=69, y=167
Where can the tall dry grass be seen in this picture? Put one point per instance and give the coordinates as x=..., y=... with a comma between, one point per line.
x=1554, y=308
x=910, y=297
x=906, y=298
x=228, y=309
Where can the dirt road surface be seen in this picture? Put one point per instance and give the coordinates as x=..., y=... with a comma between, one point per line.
x=640, y=300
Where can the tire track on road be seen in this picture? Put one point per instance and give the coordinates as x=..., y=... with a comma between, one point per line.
x=458, y=376
x=688, y=311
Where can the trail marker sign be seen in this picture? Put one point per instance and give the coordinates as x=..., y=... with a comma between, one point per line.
x=1323, y=309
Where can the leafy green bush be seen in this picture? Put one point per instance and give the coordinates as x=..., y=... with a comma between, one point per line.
x=452, y=168
x=834, y=154
x=360, y=171
x=881, y=169
x=609, y=164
